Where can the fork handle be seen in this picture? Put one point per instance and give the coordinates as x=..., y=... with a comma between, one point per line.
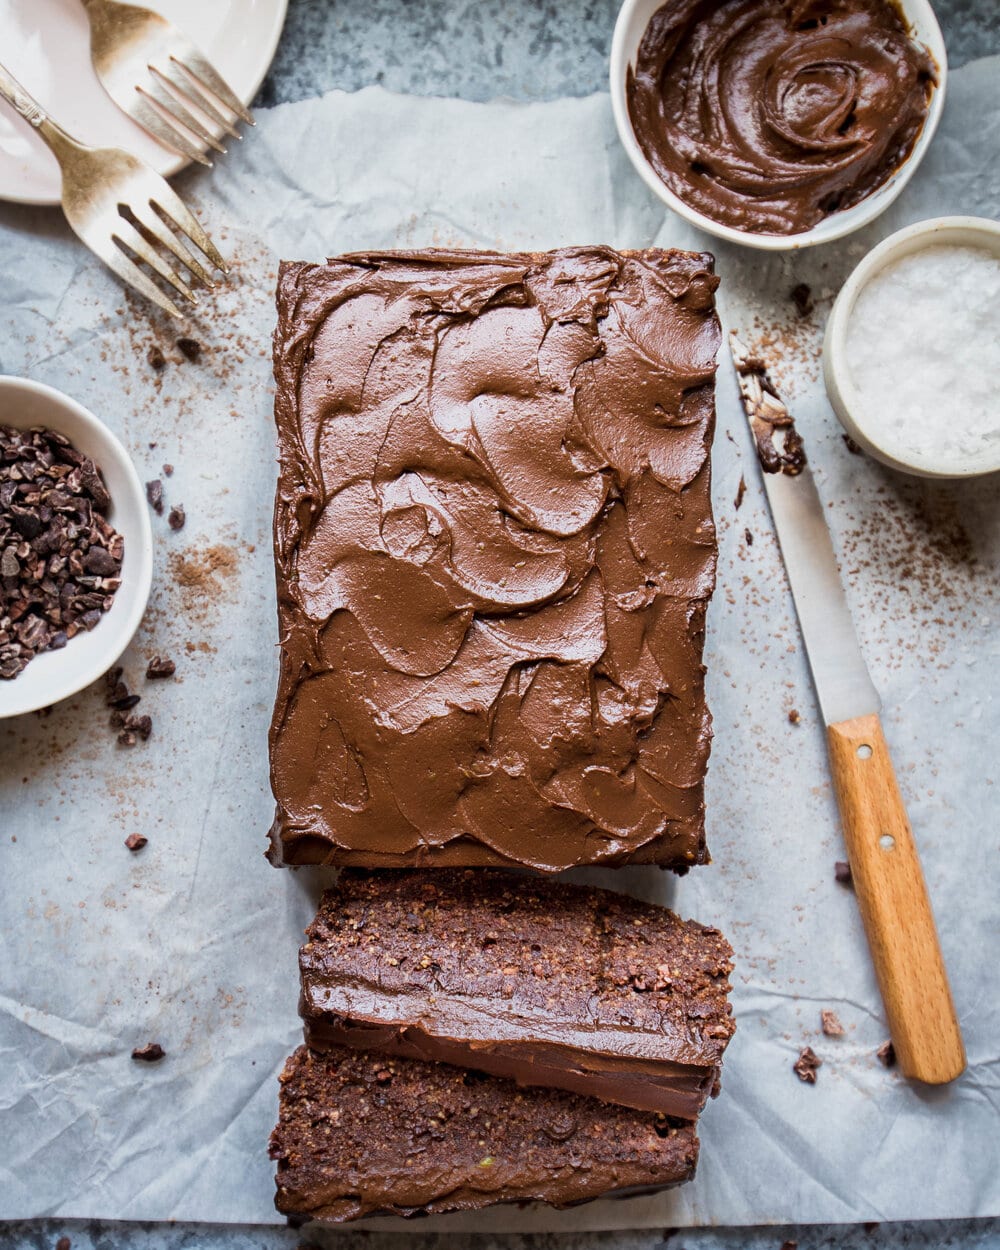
x=21, y=101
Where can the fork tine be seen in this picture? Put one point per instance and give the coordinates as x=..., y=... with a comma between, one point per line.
x=169, y=204
x=169, y=103
x=126, y=233
x=143, y=112
x=132, y=275
x=192, y=92
x=206, y=73
x=152, y=222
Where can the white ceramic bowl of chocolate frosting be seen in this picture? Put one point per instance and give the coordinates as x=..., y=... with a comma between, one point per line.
x=769, y=135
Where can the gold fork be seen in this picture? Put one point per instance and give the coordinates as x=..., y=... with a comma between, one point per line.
x=97, y=184
x=156, y=75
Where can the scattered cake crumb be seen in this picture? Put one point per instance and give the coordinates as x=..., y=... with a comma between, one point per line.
x=887, y=1055
x=136, y=841
x=802, y=298
x=160, y=666
x=154, y=493
x=807, y=1065
x=190, y=349
x=842, y=872
x=152, y=1052
x=830, y=1023
x=794, y=717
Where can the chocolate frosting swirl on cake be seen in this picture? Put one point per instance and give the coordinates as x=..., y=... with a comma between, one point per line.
x=494, y=547
x=769, y=115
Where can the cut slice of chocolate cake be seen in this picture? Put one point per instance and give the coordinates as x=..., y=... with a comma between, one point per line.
x=537, y=980
x=494, y=549
x=362, y=1133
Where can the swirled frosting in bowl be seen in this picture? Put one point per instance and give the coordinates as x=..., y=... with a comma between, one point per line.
x=494, y=548
x=769, y=115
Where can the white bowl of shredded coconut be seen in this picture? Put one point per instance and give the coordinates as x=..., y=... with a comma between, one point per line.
x=912, y=349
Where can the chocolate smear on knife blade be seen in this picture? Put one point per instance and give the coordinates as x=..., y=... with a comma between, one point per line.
x=767, y=414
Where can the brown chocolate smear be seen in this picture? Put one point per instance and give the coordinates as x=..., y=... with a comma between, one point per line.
x=769, y=115
x=494, y=549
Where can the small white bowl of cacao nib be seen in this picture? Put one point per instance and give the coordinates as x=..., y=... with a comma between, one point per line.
x=76, y=552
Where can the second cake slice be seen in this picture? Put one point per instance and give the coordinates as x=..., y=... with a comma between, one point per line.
x=540, y=981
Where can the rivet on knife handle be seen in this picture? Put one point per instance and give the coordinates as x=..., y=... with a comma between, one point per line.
x=895, y=908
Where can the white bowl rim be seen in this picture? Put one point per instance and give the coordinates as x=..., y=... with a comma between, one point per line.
x=838, y=224
x=843, y=394
x=135, y=592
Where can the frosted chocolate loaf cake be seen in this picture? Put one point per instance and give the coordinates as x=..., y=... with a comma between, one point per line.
x=526, y=978
x=494, y=548
x=362, y=1134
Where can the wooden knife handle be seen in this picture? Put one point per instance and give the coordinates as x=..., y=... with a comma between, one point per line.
x=895, y=908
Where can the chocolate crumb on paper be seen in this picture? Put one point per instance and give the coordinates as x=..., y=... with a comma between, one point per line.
x=851, y=445
x=159, y=667
x=801, y=296
x=741, y=490
x=64, y=1243
x=168, y=470
x=807, y=1065
x=749, y=537
x=156, y=359
x=154, y=494
x=177, y=517
x=136, y=841
x=789, y=1245
x=190, y=349
x=152, y=1052
x=842, y=872
x=794, y=716
x=830, y=1023
x=887, y=1055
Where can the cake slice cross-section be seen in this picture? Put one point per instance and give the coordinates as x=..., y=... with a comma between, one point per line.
x=494, y=548
x=539, y=981
x=364, y=1134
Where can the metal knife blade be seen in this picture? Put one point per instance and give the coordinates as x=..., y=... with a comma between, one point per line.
x=841, y=678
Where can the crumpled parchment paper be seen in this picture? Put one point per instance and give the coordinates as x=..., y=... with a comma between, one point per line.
x=192, y=941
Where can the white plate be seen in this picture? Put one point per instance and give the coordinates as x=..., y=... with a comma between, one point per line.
x=46, y=45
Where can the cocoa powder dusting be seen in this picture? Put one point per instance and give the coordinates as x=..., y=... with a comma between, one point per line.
x=204, y=575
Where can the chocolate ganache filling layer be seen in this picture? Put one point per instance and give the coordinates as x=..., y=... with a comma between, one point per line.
x=769, y=115
x=494, y=548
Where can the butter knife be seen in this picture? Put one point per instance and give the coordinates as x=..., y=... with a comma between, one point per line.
x=885, y=865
